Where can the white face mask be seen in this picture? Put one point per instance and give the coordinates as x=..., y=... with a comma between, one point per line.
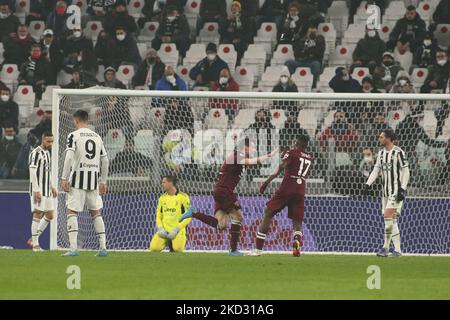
x=9, y=138
x=223, y=80
x=77, y=34
x=371, y=33
x=5, y=97
x=171, y=18
x=402, y=82
x=3, y=15
x=284, y=79
x=427, y=43
x=79, y=58
x=368, y=159
x=211, y=56
x=171, y=78
x=346, y=77
x=295, y=18
x=120, y=37
x=21, y=37
x=441, y=62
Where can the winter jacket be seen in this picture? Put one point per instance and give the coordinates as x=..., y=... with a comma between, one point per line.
x=231, y=85
x=9, y=114
x=425, y=56
x=237, y=28
x=310, y=49
x=58, y=24
x=386, y=75
x=140, y=77
x=408, y=31
x=273, y=8
x=8, y=152
x=437, y=73
x=8, y=25
x=209, y=71
x=114, y=20
x=16, y=50
x=73, y=44
x=339, y=85
x=34, y=70
x=176, y=30
x=397, y=88
x=369, y=49
x=125, y=51
x=209, y=9
x=291, y=32
x=163, y=84
x=442, y=12
x=346, y=138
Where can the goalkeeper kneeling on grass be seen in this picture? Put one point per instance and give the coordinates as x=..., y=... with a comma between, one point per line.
x=171, y=205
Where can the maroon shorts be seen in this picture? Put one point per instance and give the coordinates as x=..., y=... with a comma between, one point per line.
x=225, y=200
x=295, y=203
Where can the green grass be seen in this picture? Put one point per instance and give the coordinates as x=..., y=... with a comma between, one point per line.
x=140, y=275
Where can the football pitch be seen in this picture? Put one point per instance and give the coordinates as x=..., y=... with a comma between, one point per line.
x=141, y=275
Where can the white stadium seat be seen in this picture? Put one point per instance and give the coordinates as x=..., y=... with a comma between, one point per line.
x=283, y=53
x=9, y=75
x=405, y=58
x=125, y=73
x=145, y=143
x=92, y=30
x=360, y=73
x=36, y=29
x=342, y=56
x=245, y=77
x=148, y=31
x=278, y=118
x=209, y=33
x=303, y=78
x=418, y=76
x=216, y=119
x=442, y=34
x=135, y=8
x=169, y=54
x=228, y=54
x=338, y=15
x=114, y=142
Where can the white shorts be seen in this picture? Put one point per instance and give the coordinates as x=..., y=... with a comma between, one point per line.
x=46, y=204
x=77, y=198
x=390, y=203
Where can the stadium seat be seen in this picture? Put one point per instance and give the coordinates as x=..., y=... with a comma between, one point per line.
x=270, y=77
x=47, y=96
x=303, y=78
x=92, y=30
x=36, y=29
x=267, y=37
x=228, y=54
x=405, y=58
x=183, y=73
x=361, y=16
x=342, y=56
x=385, y=31
x=278, y=118
x=2, y=49
x=329, y=33
x=354, y=33
x=360, y=73
x=23, y=135
x=442, y=34
x=255, y=55
x=9, y=75
x=425, y=10
x=429, y=123
x=82, y=4
x=114, y=142
x=192, y=10
x=125, y=73
x=148, y=31
x=146, y=143
x=244, y=118
x=25, y=98
x=22, y=9
x=169, y=54
x=327, y=74
x=209, y=33
x=394, y=117
x=283, y=53
x=137, y=115
x=394, y=12
x=195, y=53
x=308, y=119
x=216, y=119
x=143, y=49
x=100, y=73
x=338, y=15
x=418, y=76
x=244, y=77
x=135, y=8
x=156, y=118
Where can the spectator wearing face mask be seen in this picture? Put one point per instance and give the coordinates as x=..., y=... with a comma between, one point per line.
x=170, y=81
x=345, y=137
x=294, y=27
x=57, y=20
x=51, y=49
x=208, y=69
x=368, y=85
x=425, y=53
x=9, y=110
x=9, y=149
x=308, y=52
x=369, y=50
x=35, y=71
x=8, y=21
x=124, y=50
x=343, y=82
x=174, y=28
x=17, y=46
x=408, y=32
x=285, y=84
x=150, y=71
x=225, y=83
x=110, y=79
x=119, y=17
x=402, y=83
x=385, y=74
x=77, y=42
x=438, y=74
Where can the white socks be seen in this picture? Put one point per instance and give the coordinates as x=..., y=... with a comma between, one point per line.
x=72, y=229
x=34, y=232
x=99, y=226
x=396, y=236
x=43, y=224
x=388, y=226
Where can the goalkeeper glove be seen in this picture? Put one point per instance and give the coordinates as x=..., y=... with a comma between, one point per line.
x=401, y=194
x=163, y=233
x=172, y=234
x=365, y=190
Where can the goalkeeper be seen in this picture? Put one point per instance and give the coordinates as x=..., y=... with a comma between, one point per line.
x=171, y=205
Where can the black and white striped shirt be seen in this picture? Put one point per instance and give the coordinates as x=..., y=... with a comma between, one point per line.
x=88, y=152
x=393, y=165
x=39, y=163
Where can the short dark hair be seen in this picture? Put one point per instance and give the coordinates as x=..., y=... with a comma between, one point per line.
x=389, y=133
x=81, y=115
x=36, y=46
x=302, y=140
x=171, y=178
x=411, y=8
x=47, y=134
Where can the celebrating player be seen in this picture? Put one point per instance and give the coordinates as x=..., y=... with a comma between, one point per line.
x=395, y=173
x=171, y=205
x=41, y=189
x=226, y=201
x=291, y=193
x=84, y=179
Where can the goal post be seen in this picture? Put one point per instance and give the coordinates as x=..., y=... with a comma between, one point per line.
x=148, y=134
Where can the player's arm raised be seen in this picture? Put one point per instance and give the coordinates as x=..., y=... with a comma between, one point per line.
x=373, y=176
x=258, y=160
x=68, y=161
x=281, y=167
x=33, y=177
x=104, y=169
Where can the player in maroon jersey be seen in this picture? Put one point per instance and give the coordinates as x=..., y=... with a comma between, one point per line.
x=296, y=164
x=226, y=201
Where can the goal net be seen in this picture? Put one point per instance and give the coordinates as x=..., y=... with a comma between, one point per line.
x=148, y=134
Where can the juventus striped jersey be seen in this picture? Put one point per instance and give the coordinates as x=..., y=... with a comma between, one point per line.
x=39, y=163
x=394, y=171
x=85, y=156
